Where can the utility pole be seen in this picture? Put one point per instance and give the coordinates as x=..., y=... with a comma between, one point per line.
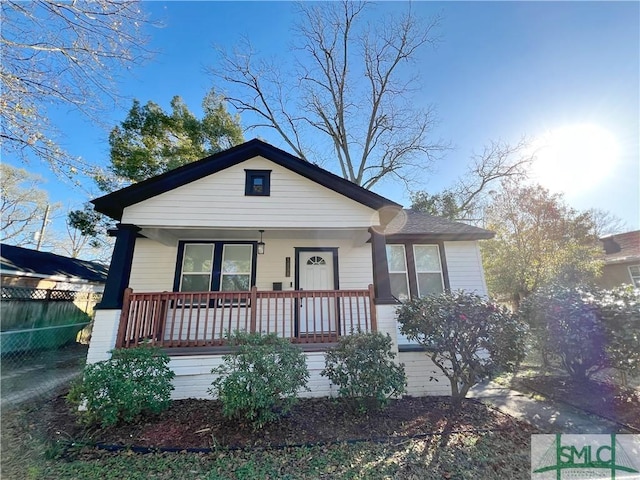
x=44, y=225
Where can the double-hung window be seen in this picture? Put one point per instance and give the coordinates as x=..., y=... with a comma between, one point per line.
x=235, y=273
x=398, y=275
x=215, y=266
x=428, y=269
x=197, y=267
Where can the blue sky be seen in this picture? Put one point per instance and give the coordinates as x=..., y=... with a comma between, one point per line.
x=502, y=70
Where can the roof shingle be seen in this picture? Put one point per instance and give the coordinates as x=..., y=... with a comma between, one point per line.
x=414, y=223
x=25, y=260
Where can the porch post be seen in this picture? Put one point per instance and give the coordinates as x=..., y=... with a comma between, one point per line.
x=120, y=268
x=382, y=285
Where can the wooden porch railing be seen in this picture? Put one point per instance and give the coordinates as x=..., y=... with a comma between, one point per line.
x=204, y=319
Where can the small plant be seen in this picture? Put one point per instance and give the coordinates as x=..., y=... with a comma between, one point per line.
x=133, y=381
x=362, y=368
x=259, y=381
x=466, y=336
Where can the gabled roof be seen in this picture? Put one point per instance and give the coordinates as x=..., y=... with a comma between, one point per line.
x=622, y=247
x=419, y=224
x=24, y=261
x=114, y=203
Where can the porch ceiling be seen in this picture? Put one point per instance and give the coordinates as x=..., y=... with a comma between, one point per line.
x=171, y=236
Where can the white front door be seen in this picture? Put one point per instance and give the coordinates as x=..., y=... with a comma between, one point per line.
x=317, y=313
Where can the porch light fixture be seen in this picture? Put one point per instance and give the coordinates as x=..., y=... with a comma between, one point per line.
x=261, y=244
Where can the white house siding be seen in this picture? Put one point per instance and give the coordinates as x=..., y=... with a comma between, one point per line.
x=464, y=264
x=153, y=267
x=193, y=376
x=219, y=200
x=354, y=262
x=423, y=377
x=418, y=367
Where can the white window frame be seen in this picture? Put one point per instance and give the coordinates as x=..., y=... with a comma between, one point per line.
x=635, y=278
x=406, y=268
x=210, y=272
x=417, y=272
x=248, y=273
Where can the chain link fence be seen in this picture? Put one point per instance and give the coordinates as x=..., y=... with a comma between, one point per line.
x=44, y=338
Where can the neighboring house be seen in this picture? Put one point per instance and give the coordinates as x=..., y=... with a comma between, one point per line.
x=26, y=268
x=255, y=238
x=46, y=298
x=621, y=260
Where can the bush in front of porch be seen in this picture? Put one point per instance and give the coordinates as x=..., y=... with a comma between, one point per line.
x=131, y=382
x=259, y=381
x=362, y=368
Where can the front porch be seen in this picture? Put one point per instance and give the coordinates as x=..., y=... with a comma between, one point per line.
x=193, y=322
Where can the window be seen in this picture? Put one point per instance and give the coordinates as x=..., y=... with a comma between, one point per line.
x=396, y=260
x=428, y=269
x=257, y=183
x=215, y=266
x=236, y=268
x=197, y=267
x=634, y=272
x=415, y=270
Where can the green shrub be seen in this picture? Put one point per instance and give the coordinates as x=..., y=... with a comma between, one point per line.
x=260, y=380
x=133, y=381
x=587, y=329
x=620, y=313
x=362, y=368
x=466, y=336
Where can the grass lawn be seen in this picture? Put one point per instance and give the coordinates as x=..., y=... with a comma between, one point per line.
x=32, y=450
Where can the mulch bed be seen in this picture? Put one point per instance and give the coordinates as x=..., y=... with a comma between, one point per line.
x=200, y=424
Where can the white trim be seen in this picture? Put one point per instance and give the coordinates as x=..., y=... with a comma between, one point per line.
x=184, y=256
x=406, y=267
x=223, y=273
x=635, y=279
x=415, y=265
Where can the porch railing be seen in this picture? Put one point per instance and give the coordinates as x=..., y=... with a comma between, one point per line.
x=204, y=319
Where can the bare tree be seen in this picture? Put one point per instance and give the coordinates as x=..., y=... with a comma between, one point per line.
x=61, y=53
x=22, y=204
x=348, y=86
x=72, y=243
x=466, y=198
x=606, y=223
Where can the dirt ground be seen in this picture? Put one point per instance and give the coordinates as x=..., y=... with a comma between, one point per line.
x=200, y=424
x=29, y=375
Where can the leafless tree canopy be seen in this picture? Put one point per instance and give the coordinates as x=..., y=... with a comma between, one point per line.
x=22, y=204
x=60, y=53
x=349, y=85
x=466, y=199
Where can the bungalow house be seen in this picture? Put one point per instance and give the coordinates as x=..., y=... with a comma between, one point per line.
x=621, y=260
x=254, y=238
